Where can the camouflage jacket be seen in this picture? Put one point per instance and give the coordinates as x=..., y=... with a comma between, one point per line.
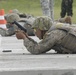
x=48, y=42
x=60, y=40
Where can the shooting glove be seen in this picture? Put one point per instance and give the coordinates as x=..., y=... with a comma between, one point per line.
x=20, y=34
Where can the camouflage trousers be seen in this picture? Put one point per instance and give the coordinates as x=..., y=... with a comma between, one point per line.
x=47, y=8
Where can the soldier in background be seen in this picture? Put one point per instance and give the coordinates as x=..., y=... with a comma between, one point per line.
x=66, y=8
x=48, y=8
x=60, y=37
x=11, y=28
x=21, y=15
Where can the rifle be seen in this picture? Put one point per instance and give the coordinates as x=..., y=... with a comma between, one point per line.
x=19, y=26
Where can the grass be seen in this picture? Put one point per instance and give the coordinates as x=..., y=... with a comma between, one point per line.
x=27, y=6
x=33, y=7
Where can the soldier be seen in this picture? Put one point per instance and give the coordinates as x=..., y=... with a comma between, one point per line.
x=21, y=15
x=60, y=37
x=12, y=27
x=66, y=7
x=47, y=8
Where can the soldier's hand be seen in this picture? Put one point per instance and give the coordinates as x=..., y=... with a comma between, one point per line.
x=21, y=34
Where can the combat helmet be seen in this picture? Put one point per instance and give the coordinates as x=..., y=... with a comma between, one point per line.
x=43, y=23
x=15, y=11
x=12, y=17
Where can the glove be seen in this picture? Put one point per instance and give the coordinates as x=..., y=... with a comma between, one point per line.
x=21, y=34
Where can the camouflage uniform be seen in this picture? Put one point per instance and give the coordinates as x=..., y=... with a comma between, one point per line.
x=60, y=37
x=66, y=7
x=47, y=8
x=12, y=27
x=21, y=15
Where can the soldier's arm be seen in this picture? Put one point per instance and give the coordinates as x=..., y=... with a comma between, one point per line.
x=38, y=48
x=46, y=44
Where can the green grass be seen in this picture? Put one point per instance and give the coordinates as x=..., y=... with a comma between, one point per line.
x=33, y=7
x=27, y=6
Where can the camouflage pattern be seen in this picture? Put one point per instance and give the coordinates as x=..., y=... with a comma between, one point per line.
x=60, y=39
x=3, y=32
x=8, y=32
x=62, y=20
x=10, y=27
x=66, y=8
x=47, y=8
x=15, y=11
x=21, y=15
x=28, y=25
x=25, y=22
x=43, y=23
x=46, y=44
x=12, y=17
